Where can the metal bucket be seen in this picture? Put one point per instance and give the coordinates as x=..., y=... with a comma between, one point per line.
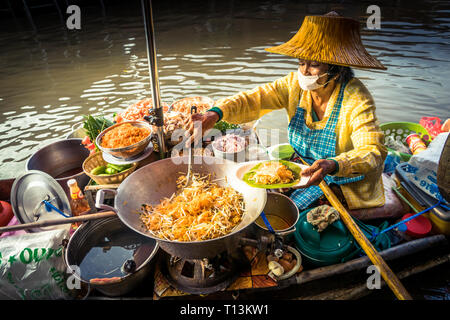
x=282, y=214
x=91, y=236
x=63, y=160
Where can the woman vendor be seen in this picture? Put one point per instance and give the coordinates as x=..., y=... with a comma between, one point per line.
x=333, y=125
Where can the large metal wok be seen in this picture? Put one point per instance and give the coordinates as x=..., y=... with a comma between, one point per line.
x=152, y=183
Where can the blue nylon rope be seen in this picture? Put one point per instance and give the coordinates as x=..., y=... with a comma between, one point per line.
x=374, y=234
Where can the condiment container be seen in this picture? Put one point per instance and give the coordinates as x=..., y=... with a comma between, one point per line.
x=415, y=143
x=238, y=156
x=418, y=227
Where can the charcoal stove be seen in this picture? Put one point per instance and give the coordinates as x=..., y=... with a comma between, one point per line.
x=203, y=276
x=209, y=275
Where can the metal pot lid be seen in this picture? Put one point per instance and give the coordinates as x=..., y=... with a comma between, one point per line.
x=27, y=199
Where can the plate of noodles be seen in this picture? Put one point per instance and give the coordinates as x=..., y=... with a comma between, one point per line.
x=272, y=174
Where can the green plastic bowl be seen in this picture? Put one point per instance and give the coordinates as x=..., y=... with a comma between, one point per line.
x=400, y=130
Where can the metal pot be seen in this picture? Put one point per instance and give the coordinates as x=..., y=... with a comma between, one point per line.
x=282, y=214
x=152, y=183
x=91, y=236
x=63, y=160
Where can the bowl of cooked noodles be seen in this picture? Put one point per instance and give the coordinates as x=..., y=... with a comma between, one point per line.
x=126, y=139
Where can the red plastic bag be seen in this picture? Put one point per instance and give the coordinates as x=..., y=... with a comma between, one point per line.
x=432, y=124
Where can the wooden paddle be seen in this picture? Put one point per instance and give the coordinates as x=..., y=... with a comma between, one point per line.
x=54, y=222
x=391, y=279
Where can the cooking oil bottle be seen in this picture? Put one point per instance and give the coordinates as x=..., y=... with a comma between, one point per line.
x=78, y=203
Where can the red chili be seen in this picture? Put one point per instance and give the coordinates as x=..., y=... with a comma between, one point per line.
x=86, y=140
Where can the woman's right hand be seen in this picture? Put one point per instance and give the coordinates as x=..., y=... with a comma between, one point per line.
x=199, y=125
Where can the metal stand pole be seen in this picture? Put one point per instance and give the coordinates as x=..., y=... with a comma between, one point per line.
x=157, y=112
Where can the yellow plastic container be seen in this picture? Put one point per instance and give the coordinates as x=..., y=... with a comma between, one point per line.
x=439, y=220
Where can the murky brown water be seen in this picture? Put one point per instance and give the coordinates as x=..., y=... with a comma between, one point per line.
x=50, y=76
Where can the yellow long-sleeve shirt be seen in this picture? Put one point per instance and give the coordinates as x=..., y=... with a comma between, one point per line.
x=359, y=145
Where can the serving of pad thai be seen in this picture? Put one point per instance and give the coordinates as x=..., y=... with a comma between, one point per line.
x=272, y=172
x=203, y=210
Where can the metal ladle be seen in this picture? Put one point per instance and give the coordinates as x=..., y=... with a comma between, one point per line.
x=188, y=177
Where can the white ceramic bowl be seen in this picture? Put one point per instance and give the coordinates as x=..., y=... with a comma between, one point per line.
x=238, y=156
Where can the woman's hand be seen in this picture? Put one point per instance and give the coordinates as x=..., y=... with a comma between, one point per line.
x=199, y=124
x=318, y=170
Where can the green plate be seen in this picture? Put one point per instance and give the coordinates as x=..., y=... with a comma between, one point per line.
x=295, y=168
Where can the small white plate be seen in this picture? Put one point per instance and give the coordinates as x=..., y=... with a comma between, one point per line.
x=242, y=168
x=114, y=160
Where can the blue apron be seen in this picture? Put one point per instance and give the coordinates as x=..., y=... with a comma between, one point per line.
x=313, y=145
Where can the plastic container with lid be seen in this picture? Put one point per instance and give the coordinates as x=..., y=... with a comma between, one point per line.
x=335, y=244
x=418, y=227
x=328, y=247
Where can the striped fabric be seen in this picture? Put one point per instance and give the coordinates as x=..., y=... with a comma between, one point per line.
x=360, y=146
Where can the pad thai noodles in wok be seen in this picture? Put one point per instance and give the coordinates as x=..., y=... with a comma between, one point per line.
x=201, y=211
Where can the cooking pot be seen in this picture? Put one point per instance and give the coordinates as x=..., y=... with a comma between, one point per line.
x=156, y=181
x=63, y=160
x=109, y=256
x=282, y=214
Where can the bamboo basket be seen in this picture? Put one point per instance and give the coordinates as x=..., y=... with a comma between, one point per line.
x=96, y=160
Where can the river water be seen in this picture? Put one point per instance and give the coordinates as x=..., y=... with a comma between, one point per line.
x=50, y=76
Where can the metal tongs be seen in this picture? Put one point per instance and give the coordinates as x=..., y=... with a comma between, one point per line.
x=188, y=177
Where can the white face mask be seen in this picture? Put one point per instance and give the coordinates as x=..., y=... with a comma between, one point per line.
x=310, y=82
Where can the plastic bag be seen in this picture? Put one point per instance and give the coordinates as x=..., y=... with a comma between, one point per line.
x=391, y=162
x=396, y=145
x=422, y=168
x=432, y=124
x=12, y=222
x=32, y=267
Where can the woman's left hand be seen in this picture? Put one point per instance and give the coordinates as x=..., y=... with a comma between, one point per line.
x=318, y=170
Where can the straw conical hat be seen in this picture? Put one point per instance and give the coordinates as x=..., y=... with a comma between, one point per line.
x=329, y=39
